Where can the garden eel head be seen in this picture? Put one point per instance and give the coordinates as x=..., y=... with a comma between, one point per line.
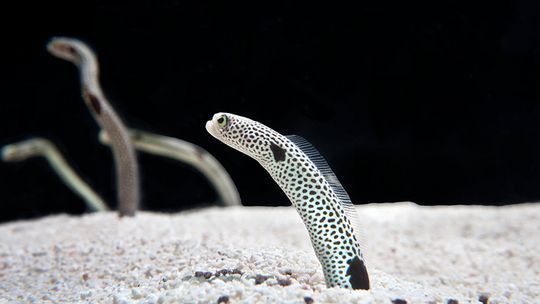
x=245, y=135
x=71, y=50
x=25, y=149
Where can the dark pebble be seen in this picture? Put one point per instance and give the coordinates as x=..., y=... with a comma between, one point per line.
x=259, y=279
x=399, y=301
x=223, y=299
x=452, y=301
x=309, y=300
x=483, y=299
x=237, y=271
x=222, y=272
x=228, y=272
x=284, y=282
x=205, y=274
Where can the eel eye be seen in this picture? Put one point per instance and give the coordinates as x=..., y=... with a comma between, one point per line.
x=222, y=121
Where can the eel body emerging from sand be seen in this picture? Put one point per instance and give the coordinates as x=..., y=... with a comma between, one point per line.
x=43, y=147
x=127, y=171
x=313, y=189
x=189, y=153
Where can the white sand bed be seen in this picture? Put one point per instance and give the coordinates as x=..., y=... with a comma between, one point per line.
x=263, y=255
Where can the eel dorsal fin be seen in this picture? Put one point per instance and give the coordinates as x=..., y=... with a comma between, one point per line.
x=343, y=198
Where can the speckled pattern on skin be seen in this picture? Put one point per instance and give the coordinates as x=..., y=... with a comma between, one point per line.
x=312, y=188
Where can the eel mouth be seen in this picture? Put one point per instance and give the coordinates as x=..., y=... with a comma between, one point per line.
x=211, y=128
x=62, y=47
x=212, y=125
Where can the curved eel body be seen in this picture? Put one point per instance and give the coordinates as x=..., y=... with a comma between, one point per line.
x=127, y=171
x=42, y=147
x=189, y=153
x=312, y=188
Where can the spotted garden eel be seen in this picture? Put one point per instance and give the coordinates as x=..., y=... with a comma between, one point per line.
x=189, y=153
x=43, y=147
x=127, y=172
x=311, y=186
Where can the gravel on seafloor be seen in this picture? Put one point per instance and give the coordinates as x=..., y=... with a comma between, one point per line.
x=454, y=254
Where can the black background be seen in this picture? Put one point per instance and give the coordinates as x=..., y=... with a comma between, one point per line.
x=434, y=102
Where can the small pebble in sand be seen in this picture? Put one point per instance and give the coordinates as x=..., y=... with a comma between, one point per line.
x=259, y=279
x=287, y=272
x=223, y=299
x=309, y=300
x=85, y=295
x=237, y=271
x=203, y=274
x=228, y=272
x=483, y=298
x=452, y=301
x=399, y=301
x=284, y=282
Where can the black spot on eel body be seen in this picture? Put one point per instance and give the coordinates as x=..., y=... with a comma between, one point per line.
x=93, y=101
x=279, y=152
x=358, y=274
x=199, y=152
x=71, y=50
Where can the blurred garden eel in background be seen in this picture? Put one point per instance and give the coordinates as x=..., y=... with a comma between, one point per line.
x=127, y=172
x=42, y=147
x=307, y=180
x=189, y=153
